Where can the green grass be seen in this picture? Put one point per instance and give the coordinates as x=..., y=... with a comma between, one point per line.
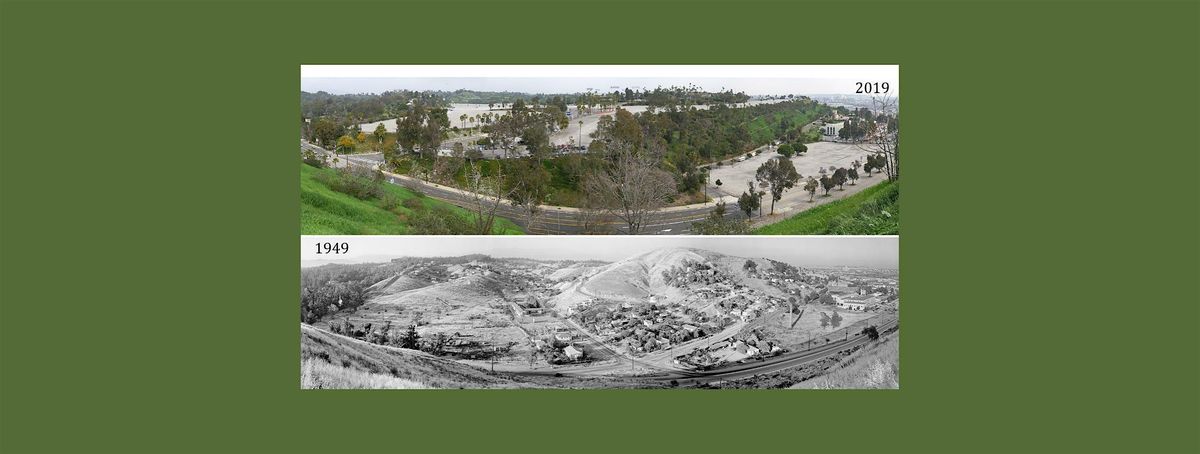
x=874, y=211
x=324, y=211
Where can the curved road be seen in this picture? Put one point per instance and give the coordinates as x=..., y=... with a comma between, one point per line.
x=552, y=220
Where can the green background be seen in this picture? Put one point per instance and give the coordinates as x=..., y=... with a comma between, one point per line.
x=149, y=226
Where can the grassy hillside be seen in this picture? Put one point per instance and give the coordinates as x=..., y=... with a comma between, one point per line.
x=332, y=361
x=318, y=374
x=324, y=211
x=876, y=366
x=874, y=211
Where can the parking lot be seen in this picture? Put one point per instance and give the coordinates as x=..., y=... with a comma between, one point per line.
x=820, y=154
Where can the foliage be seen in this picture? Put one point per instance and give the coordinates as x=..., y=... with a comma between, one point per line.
x=778, y=175
x=750, y=200
x=324, y=210
x=718, y=224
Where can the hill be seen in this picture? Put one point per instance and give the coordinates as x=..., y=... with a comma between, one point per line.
x=636, y=278
x=330, y=360
x=874, y=211
x=324, y=211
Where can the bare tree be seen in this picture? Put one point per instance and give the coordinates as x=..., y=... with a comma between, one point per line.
x=630, y=186
x=529, y=188
x=591, y=218
x=885, y=141
x=487, y=193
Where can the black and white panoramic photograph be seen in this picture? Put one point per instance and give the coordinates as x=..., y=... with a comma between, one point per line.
x=707, y=312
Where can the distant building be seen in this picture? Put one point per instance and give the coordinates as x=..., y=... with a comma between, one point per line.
x=858, y=302
x=832, y=129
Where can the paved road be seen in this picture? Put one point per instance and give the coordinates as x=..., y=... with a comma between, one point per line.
x=554, y=220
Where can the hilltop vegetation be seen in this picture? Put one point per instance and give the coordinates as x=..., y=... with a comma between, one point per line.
x=332, y=203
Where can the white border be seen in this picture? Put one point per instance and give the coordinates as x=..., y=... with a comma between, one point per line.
x=686, y=71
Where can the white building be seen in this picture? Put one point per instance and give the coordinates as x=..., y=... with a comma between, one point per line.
x=832, y=129
x=857, y=302
x=572, y=353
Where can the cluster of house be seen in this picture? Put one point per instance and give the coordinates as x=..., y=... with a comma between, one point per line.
x=747, y=306
x=472, y=268
x=644, y=328
x=728, y=351
x=559, y=346
x=694, y=272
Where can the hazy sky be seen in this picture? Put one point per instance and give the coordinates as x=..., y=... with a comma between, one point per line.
x=881, y=252
x=753, y=80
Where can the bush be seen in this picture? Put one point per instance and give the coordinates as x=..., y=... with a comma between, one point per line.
x=438, y=221
x=309, y=157
x=357, y=182
x=414, y=204
x=389, y=201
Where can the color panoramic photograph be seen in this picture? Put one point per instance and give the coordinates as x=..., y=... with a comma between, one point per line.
x=599, y=150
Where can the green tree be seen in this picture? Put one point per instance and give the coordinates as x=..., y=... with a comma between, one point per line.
x=749, y=200
x=839, y=177
x=326, y=132
x=827, y=184
x=380, y=133
x=718, y=224
x=810, y=187
x=778, y=175
x=786, y=150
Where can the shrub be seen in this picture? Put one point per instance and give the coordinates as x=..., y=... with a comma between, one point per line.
x=438, y=221
x=389, y=201
x=360, y=183
x=414, y=204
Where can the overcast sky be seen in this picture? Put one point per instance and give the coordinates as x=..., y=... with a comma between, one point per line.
x=879, y=252
x=753, y=80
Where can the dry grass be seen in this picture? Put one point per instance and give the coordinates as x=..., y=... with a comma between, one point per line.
x=318, y=374
x=409, y=365
x=874, y=367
